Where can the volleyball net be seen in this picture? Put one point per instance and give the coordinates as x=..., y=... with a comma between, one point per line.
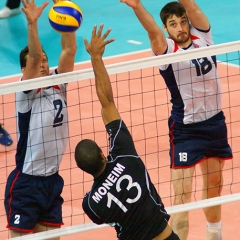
x=144, y=104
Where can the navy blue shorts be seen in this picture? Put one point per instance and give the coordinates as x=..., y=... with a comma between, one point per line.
x=192, y=143
x=31, y=199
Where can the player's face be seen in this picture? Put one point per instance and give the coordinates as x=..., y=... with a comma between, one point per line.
x=179, y=30
x=44, y=68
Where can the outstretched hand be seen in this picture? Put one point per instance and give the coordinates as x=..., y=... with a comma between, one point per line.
x=97, y=45
x=32, y=11
x=55, y=1
x=131, y=3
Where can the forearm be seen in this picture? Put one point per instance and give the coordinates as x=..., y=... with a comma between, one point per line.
x=189, y=5
x=69, y=48
x=68, y=42
x=34, y=45
x=102, y=81
x=156, y=36
x=145, y=19
x=195, y=15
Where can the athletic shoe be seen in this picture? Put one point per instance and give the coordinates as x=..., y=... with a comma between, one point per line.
x=5, y=139
x=7, y=12
x=214, y=233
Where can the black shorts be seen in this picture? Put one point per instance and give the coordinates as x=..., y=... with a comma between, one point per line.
x=192, y=143
x=31, y=199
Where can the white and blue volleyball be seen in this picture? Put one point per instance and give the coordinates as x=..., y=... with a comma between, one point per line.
x=65, y=16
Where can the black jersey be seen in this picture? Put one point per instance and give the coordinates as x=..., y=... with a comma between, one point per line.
x=123, y=196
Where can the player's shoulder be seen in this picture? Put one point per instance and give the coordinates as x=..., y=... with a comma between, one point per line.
x=200, y=32
x=85, y=199
x=54, y=72
x=87, y=194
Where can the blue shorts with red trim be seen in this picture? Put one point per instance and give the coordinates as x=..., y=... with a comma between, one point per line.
x=192, y=143
x=32, y=199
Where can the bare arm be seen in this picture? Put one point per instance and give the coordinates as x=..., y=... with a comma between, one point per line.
x=69, y=48
x=34, y=57
x=102, y=81
x=156, y=36
x=195, y=15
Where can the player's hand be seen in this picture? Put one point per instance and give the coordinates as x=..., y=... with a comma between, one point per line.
x=32, y=11
x=55, y=1
x=97, y=45
x=131, y=3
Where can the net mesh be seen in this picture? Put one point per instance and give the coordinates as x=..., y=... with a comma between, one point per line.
x=144, y=103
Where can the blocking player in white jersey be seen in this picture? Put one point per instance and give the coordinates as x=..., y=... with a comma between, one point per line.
x=120, y=196
x=33, y=199
x=197, y=129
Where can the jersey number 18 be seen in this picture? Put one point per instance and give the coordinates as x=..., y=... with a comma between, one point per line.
x=203, y=66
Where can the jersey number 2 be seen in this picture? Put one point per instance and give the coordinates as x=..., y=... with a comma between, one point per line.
x=59, y=117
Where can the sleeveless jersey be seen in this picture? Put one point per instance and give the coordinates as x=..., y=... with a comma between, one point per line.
x=123, y=196
x=194, y=85
x=42, y=122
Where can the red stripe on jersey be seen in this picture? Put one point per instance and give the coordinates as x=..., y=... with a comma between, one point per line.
x=10, y=200
x=56, y=87
x=193, y=37
x=173, y=146
x=175, y=47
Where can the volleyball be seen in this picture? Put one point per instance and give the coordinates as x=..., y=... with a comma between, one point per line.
x=65, y=16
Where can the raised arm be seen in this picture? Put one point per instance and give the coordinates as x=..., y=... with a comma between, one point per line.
x=102, y=81
x=156, y=36
x=32, y=13
x=69, y=48
x=195, y=15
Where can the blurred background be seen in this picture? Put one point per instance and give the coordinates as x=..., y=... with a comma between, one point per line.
x=130, y=36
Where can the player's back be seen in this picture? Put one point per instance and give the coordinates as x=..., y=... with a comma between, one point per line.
x=124, y=197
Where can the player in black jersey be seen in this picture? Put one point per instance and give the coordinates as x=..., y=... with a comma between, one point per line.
x=122, y=194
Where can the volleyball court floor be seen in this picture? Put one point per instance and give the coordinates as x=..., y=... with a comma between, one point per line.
x=74, y=188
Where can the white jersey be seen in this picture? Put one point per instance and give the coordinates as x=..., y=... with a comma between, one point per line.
x=194, y=85
x=42, y=130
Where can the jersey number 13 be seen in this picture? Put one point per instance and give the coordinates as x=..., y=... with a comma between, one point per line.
x=130, y=185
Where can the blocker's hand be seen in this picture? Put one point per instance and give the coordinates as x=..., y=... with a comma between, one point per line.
x=97, y=45
x=32, y=11
x=55, y=1
x=131, y=3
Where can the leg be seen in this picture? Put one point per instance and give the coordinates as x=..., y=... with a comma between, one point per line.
x=182, y=185
x=18, y=234
x=167, y=234
x=53, y=213
x=42, y=228
x=12, y=8
x=39, y=228
x=212, y=187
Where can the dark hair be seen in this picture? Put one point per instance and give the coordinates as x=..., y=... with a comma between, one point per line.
x=23, y=54
x=170, y=9
x=88, y=156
